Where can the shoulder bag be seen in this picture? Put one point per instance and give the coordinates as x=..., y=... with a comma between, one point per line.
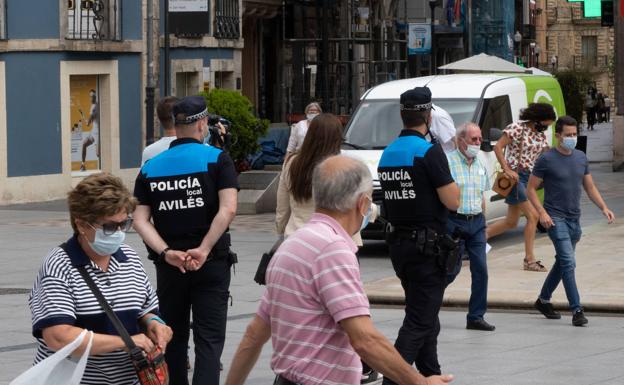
x=151, y=368
x=503, y=184
x=260, y=276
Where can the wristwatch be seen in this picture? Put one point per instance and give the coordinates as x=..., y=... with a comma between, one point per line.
x=163, y=253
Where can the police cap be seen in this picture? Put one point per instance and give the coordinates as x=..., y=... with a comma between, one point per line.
x=416, y=99
x=189, y=110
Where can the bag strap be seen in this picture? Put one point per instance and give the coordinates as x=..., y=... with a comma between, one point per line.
x=123, y=333
x=521, y=146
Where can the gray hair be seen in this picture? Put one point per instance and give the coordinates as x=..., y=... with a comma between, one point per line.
x=463, y=129
x=338, y=182
x=313, y=104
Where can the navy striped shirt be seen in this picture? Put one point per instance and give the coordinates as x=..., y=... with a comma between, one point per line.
x=61, y=296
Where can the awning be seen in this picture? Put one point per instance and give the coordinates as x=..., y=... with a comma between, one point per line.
x=484, y=63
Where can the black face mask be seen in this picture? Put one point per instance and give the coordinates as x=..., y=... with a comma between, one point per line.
x=540, y=127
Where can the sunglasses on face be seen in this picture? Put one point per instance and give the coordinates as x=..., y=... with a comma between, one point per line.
x=110, y=228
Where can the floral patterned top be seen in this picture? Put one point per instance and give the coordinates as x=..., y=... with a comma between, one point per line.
x=533, y=143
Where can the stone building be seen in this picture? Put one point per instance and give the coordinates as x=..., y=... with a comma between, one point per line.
x=576, y=42
x=74, y=76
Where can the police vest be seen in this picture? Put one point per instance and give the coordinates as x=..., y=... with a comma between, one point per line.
x=181, y=186
x=410, y=171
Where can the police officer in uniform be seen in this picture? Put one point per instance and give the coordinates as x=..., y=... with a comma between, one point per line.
x=189, y=191
x=418, y=191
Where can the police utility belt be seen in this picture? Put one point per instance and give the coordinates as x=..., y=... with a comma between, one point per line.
x=425, y=238
x=429, y=243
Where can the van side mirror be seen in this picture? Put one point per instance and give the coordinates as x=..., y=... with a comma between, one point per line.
x=493, y=135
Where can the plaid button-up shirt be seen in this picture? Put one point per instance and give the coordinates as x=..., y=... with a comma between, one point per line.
x=472, y=180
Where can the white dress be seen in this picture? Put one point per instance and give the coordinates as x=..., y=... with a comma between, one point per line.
x=297, y=134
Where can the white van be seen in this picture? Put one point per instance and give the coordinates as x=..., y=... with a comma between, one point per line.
x=493, y=101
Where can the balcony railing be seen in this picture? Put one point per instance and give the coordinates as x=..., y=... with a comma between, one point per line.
x=93, y=20
x=592, y=63
x=227, y=25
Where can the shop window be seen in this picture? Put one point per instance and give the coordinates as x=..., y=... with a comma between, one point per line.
x=2, y=19
x=93, y=20
x=225, y=80
x=186, y=84
x=84, y=95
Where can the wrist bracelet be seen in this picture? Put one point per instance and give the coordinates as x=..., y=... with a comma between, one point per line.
x=155, y=318
x=164, y=253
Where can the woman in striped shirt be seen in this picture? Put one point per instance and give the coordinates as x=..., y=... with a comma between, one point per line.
x=61, y=303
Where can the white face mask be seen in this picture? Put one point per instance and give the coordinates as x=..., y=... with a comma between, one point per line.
x=107, y=244
x=473, y=150
x=311, y=116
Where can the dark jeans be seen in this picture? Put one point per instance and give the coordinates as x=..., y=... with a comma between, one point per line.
x=564, y=235
x=205, y=292
x=473, y=242
x=423, y=281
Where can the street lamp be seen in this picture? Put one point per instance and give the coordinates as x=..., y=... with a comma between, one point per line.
x=517, y=40
x=532, y=52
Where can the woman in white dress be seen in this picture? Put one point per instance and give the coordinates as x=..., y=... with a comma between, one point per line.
x=299, y=130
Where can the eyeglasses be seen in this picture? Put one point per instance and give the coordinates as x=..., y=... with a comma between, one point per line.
x=111, y=227
x=473, y=140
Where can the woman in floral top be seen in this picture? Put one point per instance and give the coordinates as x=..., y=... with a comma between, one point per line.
x=517, y=150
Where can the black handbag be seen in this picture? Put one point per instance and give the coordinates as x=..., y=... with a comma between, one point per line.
x=260, y=276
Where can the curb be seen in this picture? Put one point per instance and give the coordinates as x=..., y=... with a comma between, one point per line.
x=501, y=304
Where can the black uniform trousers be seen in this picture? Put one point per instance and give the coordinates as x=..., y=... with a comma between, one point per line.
x=423, y=281
x=206, y=293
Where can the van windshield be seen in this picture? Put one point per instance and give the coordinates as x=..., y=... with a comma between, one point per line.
x=377, y=123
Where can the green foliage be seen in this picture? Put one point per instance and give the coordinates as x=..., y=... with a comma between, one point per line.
x=246, y=128
x=574, y=85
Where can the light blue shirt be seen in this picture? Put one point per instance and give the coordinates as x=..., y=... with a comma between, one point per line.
x=472, y=180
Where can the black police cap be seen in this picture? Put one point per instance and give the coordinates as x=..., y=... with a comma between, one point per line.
x=416, y=99
x=189, y=110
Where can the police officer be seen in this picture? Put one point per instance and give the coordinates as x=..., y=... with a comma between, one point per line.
x=189, y=191
x=418, y=191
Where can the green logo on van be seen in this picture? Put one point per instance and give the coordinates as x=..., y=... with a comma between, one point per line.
x=545, y=89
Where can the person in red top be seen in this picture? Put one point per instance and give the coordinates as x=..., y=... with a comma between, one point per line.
x=517, y=150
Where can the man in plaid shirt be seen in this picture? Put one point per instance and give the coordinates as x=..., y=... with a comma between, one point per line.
x=468, y=222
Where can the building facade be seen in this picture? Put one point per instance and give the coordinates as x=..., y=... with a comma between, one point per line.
x=577, y=42
x=329, y=51
x=73, y=78
x=332, y=51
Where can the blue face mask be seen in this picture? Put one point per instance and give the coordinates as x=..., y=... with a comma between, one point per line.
x=107, y=244
x=569, y=142
x=367, y=217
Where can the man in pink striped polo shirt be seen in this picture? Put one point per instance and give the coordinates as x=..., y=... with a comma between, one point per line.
x=314, y=309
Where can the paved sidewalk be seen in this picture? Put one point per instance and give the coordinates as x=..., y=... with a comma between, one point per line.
x=599, y=271
x=599, y=142
x=525, y=349
x=600, y=259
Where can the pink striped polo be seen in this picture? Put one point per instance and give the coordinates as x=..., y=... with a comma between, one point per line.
x=313, y=282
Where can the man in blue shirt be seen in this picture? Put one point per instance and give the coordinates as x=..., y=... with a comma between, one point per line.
x=471, y=177
x=564, y=170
